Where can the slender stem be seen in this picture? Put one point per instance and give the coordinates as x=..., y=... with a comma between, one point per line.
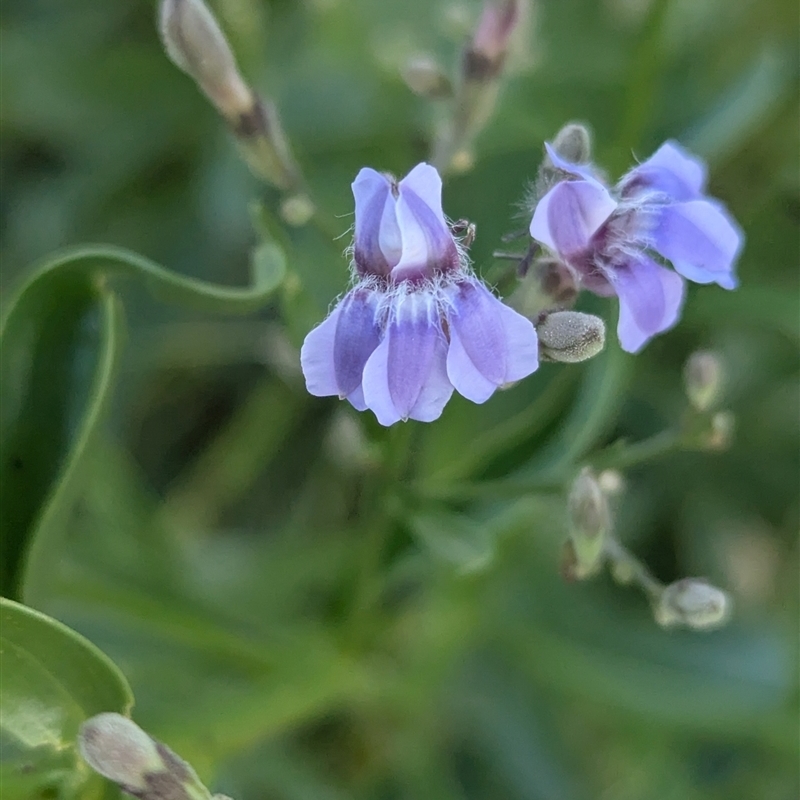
x=633, y=570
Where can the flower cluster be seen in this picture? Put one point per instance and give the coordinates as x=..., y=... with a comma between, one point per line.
x=607, y=240
x=417, y=324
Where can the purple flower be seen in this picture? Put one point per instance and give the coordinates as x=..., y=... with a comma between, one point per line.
x=608, y=240
x=417, y=324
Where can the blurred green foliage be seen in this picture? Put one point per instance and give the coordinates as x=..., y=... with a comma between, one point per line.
x=305, y=605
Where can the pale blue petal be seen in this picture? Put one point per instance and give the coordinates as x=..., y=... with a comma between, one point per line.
x=490, y=344
x=334, y=353
x=650, y=301
x=569, y=214
x=671, y=170
x=701, y=240
x=316, y=357
x=403, y=378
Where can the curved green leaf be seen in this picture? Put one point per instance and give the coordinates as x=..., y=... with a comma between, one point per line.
x=53, y=680
x=60, y=338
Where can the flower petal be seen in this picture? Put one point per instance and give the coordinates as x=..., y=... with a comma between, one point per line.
x=316, y=357
x=567, y=216
x=702, y=241
x=377, y=243
x=428, y=245
x=650, y=301
x=585, y=171
x=358, y=333
x=490, y=344
x=672, y=170
x=334, y=353
x=403, y=377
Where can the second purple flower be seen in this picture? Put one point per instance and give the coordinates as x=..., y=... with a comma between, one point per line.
x=417, y=324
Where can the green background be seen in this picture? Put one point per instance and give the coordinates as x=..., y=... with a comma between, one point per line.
x=296, y=613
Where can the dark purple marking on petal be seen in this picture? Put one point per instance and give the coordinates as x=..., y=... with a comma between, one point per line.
x=358, y=333
x=377, y=242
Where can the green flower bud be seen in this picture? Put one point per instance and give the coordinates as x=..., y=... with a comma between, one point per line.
x=589, y=523
x=693, y=602
x=703, y=378
x=723, y=426
x=570, y=336
x=574, y=143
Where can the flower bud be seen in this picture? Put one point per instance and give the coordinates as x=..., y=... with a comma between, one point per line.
x=574, y=143
x=703, y=376
x=118, y=749
x=692, y=602
x=426, y=78
x=196, y=44
x=486, y=52
x=570, y=336
x=589, y=522
x=611, y=482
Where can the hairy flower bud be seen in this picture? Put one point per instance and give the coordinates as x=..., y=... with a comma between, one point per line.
x=703, y=377
x=589, y=522
x=425, y=77
x=574, y=143
x=196, y=44
x=570, y=336
x=692, y=602
x=118, y=749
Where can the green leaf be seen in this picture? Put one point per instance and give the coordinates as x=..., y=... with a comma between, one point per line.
x=455, y=539
x=60, y=340
x=53, y=680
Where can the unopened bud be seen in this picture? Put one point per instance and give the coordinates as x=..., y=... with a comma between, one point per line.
x=703, y=377
x=426, y=78
x=692, y=602
x=486, y=53
x=611, y=482
x=196, y=44
x=574, y=143
x=297, y=210
x=118, y=749
x=570, y=336
x=589, y=522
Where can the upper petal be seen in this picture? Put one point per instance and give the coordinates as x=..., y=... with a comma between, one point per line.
x=428, y=245
x=567, y=216
x=672, y=170
x=650, y=301
x=701, y=239
x=377, y=235
x=490, y=344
